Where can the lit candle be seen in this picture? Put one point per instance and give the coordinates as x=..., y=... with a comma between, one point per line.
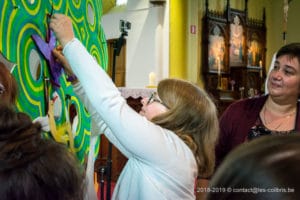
x=152, y=78
x=261, y=70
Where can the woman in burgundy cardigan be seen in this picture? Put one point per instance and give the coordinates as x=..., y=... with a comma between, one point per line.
x=274, y=114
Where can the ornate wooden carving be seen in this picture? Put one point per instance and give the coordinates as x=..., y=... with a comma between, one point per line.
x=233, y=53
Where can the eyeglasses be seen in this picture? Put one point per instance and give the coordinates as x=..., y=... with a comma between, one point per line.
x=2, y=89
x=154, y=98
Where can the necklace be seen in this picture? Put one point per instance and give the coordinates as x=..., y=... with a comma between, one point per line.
x=278, y=121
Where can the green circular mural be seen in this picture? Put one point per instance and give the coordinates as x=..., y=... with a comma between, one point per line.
x=22, y=18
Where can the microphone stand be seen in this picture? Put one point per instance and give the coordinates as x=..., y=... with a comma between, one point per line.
x=117, y=49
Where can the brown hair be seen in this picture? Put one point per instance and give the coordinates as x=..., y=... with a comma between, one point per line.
x=33, y=168
x=269, y=164
x=10, y=85
x=192, y=115
x=292, y=50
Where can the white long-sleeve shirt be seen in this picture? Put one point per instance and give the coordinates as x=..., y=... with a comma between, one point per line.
x=160, y=165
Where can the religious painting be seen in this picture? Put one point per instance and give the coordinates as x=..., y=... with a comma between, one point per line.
x=254, y=53
x=216, y=51
x=236, y=42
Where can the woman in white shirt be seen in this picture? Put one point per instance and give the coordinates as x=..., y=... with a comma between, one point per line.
x=168, y=144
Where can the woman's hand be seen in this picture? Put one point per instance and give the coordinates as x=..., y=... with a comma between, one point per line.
x=62, y=27
x=60, y=58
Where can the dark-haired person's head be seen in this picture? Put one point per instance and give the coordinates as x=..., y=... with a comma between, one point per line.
x=34, y=168
x=265, y=168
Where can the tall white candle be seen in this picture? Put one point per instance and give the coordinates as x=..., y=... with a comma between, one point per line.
x=261, y=69
x=152, y=79
x=260, y=63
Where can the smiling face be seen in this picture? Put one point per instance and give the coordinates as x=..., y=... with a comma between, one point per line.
x=284, y=79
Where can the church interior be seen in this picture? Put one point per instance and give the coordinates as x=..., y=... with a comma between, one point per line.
x=224, y=46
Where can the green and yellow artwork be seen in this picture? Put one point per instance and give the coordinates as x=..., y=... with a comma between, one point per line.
x=20, y=19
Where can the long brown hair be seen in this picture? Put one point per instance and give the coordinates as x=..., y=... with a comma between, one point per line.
x=192, y=115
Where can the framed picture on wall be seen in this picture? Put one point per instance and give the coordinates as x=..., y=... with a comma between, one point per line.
x=236, y=50
x=255, y=51
x=217, y=51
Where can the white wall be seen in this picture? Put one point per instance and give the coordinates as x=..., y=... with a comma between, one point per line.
x=147, y=40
